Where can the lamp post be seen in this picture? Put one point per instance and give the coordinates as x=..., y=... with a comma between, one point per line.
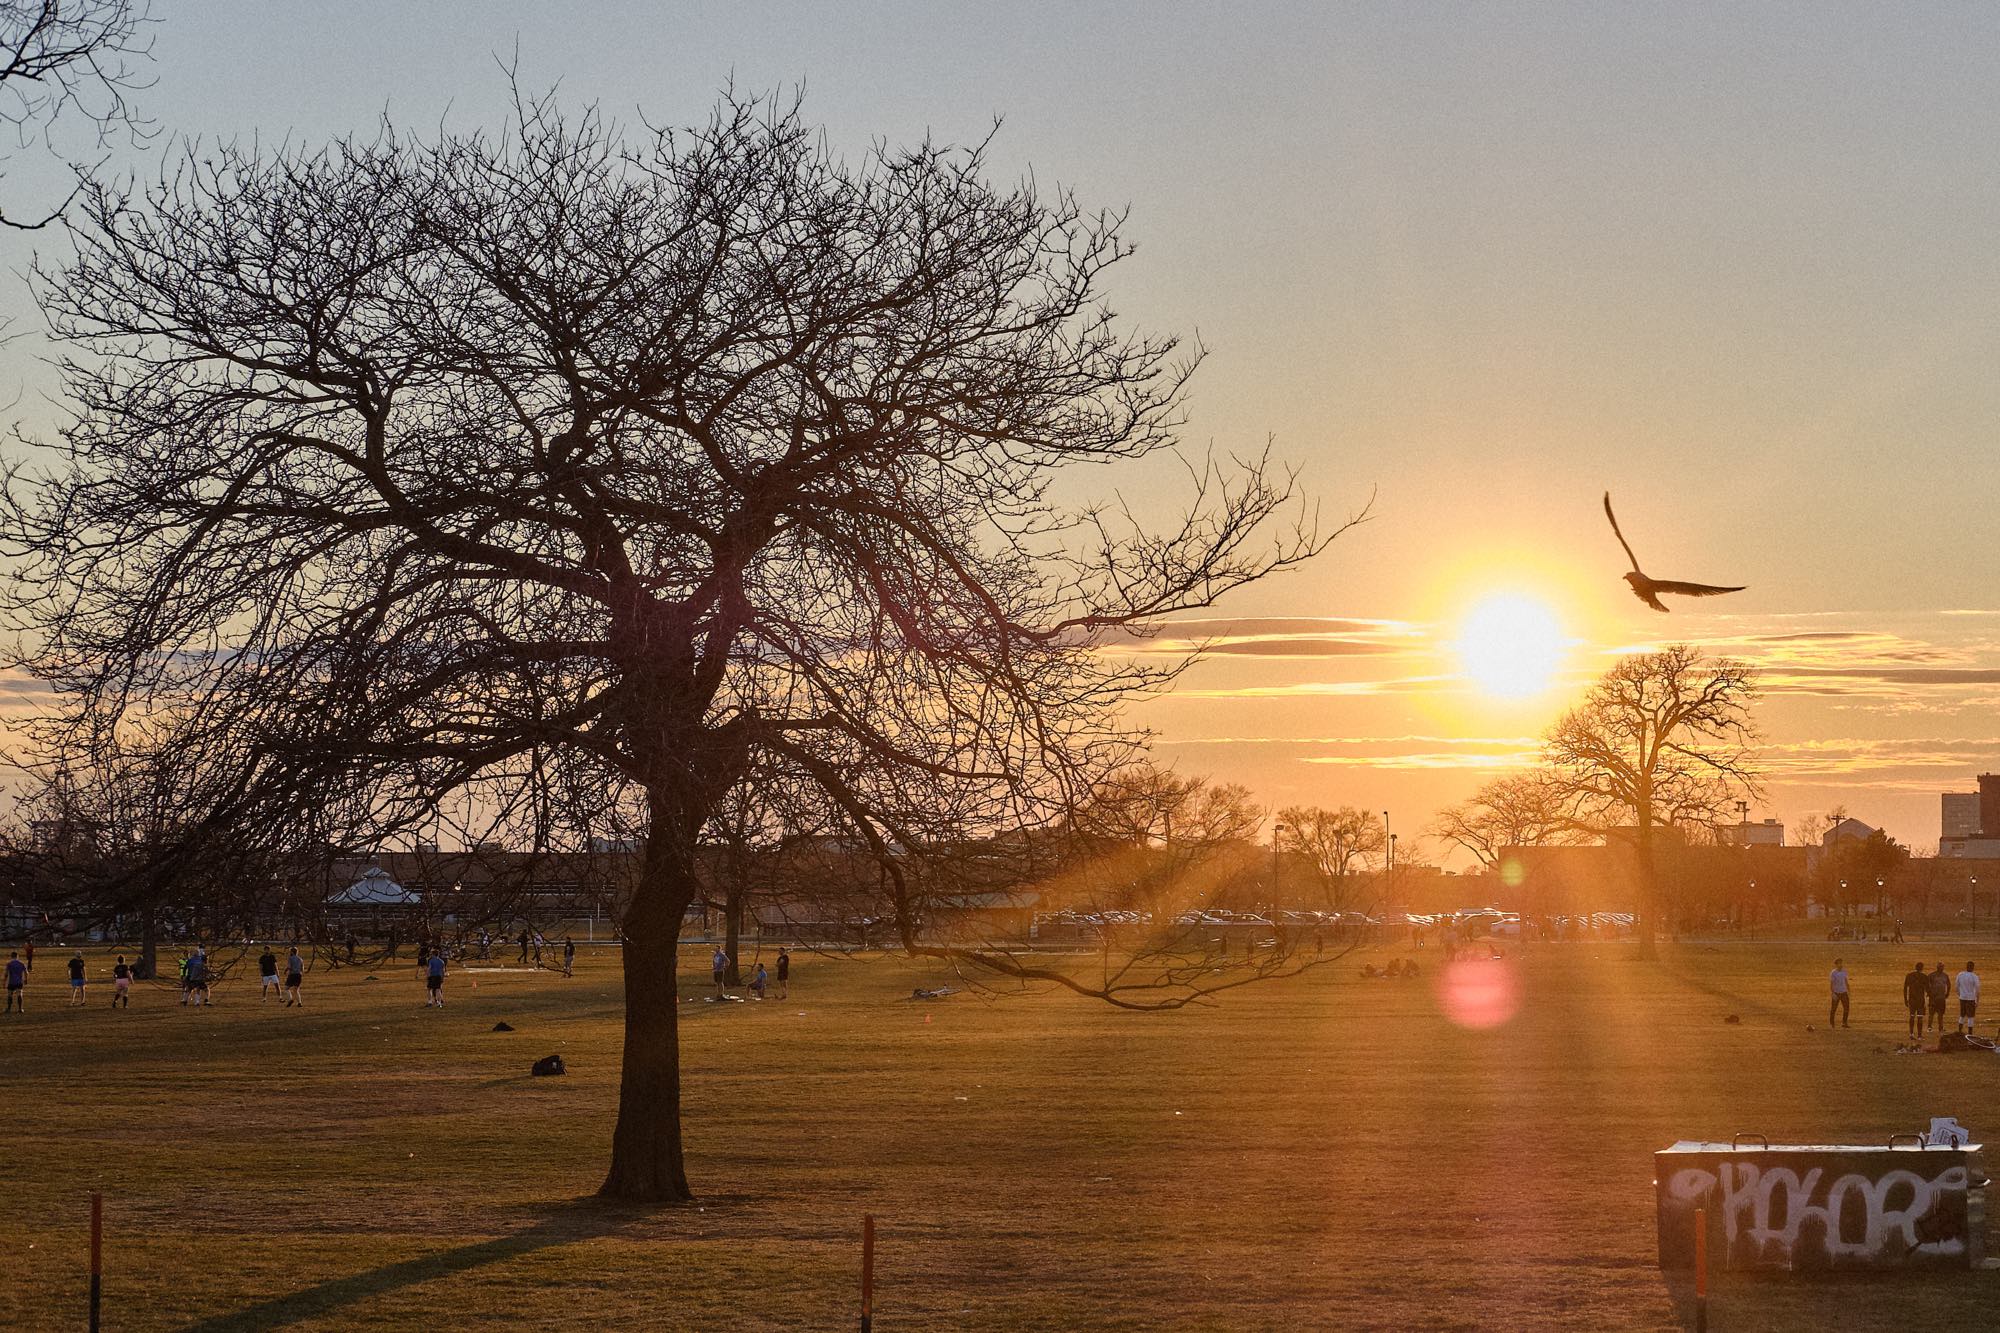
x=1391, y=838
x=1277, y=840
x=1753, y=909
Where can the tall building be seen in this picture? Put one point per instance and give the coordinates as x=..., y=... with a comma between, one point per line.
x=1959, y=811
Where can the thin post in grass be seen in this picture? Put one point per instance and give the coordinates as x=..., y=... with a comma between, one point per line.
x=1701, y=1270
x=96, y=1256
x=867, y=1272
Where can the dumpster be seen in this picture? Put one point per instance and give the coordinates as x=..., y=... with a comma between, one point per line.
x=1803, y=1207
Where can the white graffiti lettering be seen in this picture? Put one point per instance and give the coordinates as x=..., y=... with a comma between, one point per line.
x=1772, y=1215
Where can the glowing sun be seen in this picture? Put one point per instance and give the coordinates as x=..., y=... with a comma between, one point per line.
x=1511, y=645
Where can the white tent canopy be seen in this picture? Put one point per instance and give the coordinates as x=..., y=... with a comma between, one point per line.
x=374, y=889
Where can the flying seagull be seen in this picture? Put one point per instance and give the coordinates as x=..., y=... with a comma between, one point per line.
x=1648, y=590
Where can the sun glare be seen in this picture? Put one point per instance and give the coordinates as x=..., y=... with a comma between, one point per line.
x=1511, y=645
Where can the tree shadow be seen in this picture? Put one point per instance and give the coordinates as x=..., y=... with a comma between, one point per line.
x=580, y=1219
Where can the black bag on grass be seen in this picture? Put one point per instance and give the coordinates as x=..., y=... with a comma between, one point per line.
x=547, y=1065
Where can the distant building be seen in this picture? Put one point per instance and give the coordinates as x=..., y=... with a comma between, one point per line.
x=1765, y=833
x=1959, y=814
x=1847, y=830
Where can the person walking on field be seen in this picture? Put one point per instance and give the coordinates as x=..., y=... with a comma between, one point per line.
x=267, y=976
x=1916, y=997
x=1940, y=993
x=434, y=979
x=31, y=954
x=295, y=977
x=1968, y=998
x=524, y=946
x=784, y=974
x=719, y=965
x=76, y=978
x=1837, y=984
x=121, y=983
x=569, y=956
x=17, y=983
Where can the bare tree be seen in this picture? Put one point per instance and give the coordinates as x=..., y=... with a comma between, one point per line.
x=600, y=472
x=63, y=59
x=1663, y=739
x=1332, y=844
x=1518, y=810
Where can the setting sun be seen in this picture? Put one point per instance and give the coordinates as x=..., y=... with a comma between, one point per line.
x=1511, y=645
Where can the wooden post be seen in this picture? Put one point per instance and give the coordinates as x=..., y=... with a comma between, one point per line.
x=1701, y=1270
x=96, y=1256
x=867, y=1272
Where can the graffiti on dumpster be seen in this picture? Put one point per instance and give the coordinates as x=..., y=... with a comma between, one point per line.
x=1774, y=1216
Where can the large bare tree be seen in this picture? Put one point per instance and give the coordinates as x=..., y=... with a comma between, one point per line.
x=1662, y=740
x=605, y=470
x=1331, y=844
x=1516, y=810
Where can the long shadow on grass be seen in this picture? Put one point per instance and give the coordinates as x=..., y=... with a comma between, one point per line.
x=583, y=1219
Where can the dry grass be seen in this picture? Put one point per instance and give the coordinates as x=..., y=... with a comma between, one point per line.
x=1323, y=1153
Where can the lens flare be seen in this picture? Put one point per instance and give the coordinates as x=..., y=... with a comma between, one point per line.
x=1478, y=993
x=1511, y=645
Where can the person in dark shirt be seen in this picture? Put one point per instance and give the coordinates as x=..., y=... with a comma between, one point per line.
x=1939, y=985
x=569, y=956
x=524, y=946
x=121, y=983
x=267, y=976
x=17, y=983
x=784, y=974
x=1916, y=997
x=76, y=978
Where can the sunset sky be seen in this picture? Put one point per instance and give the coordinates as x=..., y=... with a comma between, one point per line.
x=1737, y=265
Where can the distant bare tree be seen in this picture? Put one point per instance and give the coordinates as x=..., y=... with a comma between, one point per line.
x=1663, y=739
x=65, y=58
x=1332, y=844
x=1159, y=840
x=1518, y=810
x=601, y=472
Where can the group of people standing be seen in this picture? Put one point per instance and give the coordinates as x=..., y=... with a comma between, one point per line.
x=1926, y=995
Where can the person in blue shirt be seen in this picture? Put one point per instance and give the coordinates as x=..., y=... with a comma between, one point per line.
x=17, y=983
x=434, y=978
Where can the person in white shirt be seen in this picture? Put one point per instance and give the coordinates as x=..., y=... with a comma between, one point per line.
x=1838, y=1003
x=1968, y=998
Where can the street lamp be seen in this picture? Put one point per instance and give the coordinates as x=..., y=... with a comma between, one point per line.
x=1277, y=830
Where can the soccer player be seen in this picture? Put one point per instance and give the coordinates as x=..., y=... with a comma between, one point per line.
x=1968, y=998
x=1940, y=992
x=121, y=983
x=569, y=956
x=434, y=979
x=719, y=965
x=267, y=976
x=784, y=974
x=295, y=977
x=76, y=978
x=1837, y=985
x=17, y=983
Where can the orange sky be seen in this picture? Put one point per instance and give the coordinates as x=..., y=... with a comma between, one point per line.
x=1733, y=263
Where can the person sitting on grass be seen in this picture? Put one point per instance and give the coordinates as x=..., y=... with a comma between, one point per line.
x=17, y=983
x=758, y=982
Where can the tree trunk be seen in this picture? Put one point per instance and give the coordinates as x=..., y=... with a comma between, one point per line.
x=646, y=1162
x=1649, y=887
x=732, y=932
x=149, y=945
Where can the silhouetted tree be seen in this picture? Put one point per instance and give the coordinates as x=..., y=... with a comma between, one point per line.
x=1518, y=810
x=1663, y=739
x=1331, y=845
x=602, y=471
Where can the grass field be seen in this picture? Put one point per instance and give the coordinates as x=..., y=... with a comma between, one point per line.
x=1327, y=1152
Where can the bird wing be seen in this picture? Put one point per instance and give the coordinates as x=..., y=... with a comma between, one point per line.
x=1695, y=589
x=1621, y=536
x=1644, y=592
